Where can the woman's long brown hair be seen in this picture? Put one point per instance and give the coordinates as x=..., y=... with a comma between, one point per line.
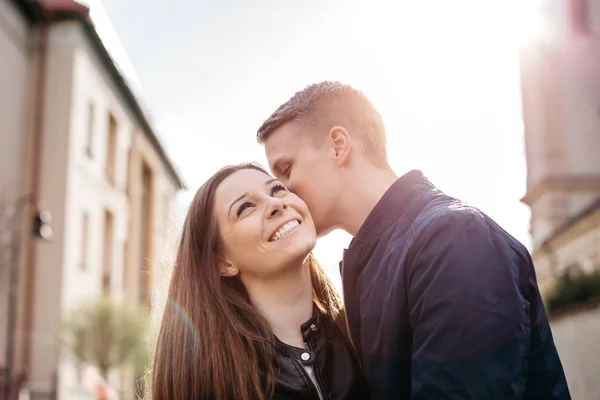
x=212, y=343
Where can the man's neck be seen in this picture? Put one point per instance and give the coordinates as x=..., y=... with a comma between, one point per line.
x=365, y=191
x=286, y=302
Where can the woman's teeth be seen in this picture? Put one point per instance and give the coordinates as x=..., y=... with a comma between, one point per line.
x=284, y=230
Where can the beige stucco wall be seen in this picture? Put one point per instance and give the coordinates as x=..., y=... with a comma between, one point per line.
x=554, y=208
x=50, y=259
x=573, y=248
x=13, y=92
x=13, y=103
x=88, y=191
x=541, y=114
x=561, y=98
x=576, y=333
x=577, y=338
x=580, y=96
x=164, y=234
x=73, y=183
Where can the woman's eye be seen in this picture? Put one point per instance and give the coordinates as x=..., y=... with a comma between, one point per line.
x=277, y=188
x=243, y=207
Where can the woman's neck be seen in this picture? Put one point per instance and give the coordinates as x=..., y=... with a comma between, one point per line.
x=285, y=302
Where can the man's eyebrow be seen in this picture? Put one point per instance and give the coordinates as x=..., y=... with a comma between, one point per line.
x=277, y=164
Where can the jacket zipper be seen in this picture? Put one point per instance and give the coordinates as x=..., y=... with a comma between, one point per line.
x=313, y=380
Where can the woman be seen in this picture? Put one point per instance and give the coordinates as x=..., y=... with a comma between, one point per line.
x=251, y=314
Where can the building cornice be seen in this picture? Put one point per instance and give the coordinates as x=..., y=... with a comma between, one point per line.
x=561, y=184
x=59, y=10
x=579, y=224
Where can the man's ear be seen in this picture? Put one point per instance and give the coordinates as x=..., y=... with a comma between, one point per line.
x=341, y=144
x=226, y=268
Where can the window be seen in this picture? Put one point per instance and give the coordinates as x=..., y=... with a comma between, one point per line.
x=85, y=232
x=558, y=208
x=111, y=153
x=167, y=212
x=147, y=232
x=127, y=172
x=108, y=251
x=89, y=143
x=125, y=265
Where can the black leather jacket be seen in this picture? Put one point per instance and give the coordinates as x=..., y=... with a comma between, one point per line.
x=335, y=371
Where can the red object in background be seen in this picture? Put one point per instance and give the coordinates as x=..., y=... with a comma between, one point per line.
x=62, y=5
x=101, y=392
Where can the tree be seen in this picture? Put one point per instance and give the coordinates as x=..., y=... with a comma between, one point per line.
x=573, y=287
x=108, y=335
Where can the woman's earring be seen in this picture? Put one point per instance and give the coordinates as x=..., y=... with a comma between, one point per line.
x=234, y=271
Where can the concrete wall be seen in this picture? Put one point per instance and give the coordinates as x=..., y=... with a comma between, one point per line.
x=580, y=95
x=577, y=338
x=74, y=182
x=573, y=247
x=542, y=116
x=13, y=95
x=50, y=258
x=13, y=102
x=89, y=192
x=562, y=120
x=164, y=235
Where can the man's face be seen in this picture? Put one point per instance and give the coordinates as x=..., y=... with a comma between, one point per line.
x=305, y=165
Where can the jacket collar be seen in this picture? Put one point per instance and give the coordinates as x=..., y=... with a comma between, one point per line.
x=314, y=328
x=393, y=204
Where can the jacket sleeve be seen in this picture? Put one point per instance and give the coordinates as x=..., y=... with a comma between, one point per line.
x=469, y=317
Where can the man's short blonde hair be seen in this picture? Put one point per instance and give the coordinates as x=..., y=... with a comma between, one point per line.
x=324, y=105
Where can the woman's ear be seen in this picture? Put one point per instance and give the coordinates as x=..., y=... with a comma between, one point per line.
x=226, y=268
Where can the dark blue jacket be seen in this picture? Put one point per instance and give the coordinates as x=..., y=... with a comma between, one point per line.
x=442, y=303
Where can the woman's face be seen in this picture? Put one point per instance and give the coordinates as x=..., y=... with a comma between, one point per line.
x=265, y=228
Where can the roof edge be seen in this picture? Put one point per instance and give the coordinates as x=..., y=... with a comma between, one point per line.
x=586, y=212
x=56, y=10
x=131, y=99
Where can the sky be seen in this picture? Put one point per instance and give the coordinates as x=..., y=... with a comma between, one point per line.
x=443, y=74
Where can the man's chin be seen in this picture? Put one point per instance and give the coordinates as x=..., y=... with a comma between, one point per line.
x=323, y=231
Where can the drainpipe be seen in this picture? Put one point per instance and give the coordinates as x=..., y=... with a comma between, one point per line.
x=11, y=382
x=47, y=8
x=30, y=248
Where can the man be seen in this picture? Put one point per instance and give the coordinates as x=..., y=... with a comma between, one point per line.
x=442, y=303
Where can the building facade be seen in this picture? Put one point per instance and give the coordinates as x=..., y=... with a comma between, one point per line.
x=560, y=79
x=75, y=142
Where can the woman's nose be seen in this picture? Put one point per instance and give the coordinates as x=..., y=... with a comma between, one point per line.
x=276, y=206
